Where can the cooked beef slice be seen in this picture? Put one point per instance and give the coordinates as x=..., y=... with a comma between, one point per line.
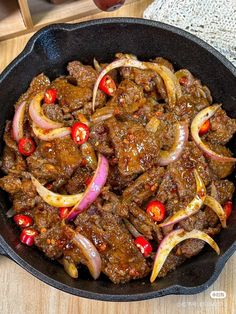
x=56, y=159
x=142, y=188
x=182, y=170
x=128, y=97
x=39, y=84
x=121, y=259
x=136, y=149
x=171, y=263
x=77, y=183
x=12, y=161
x=224, y=190
x=85, y=75
x=71, y=97
x=53, y=112
x=188, y=106
x=219, y=168
x=144, y=223
x=99, y=138
x=51, y=241
x=222, y=128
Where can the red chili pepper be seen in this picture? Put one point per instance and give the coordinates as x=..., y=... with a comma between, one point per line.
x=26, y=146
x=228, y=208
x=205, y=127
x=144, y=246
x=183, y=80
x=27, y=236
x=50, y=96
x=107, y=85
x=23, y=221
x=156, y=210
x=80, y=133
x=64, y=211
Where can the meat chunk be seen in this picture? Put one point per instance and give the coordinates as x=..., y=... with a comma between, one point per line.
x=85, y=75
x=136, y=149
x=128, y=98
x=51, y=241
x=53, y=112
x=223, y=190
x=77, y=183
x=121, y=259
x=182, y=170
x=54, y=160
x=99, y=137
x=71, y=97
x=222, y=128
x=220, y=169
x=10, y=183
x=39, y=84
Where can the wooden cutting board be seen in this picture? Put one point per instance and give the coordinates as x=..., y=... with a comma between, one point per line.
x=21, y=293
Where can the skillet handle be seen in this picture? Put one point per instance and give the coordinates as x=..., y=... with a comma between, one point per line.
x=2, y=252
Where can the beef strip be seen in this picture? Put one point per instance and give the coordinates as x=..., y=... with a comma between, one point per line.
x=121, y=259
x=85, y=75
x=128, y=97
x=182, y=170
x=71, y=97
x=222, y=128
x=99, y=138
x=39, y=84
x=54, y=160
x=136, y=149
x=219, y=168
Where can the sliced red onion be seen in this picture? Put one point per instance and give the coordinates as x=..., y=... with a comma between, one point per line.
x=193, y=207
x=197, y=122
x=217, y=208
x=94, y=262
x=54, y=199
x=49, y=135
x=171, y=240
x=37, y=115
x=94, y=188
x=181, y=138
x=18, y=120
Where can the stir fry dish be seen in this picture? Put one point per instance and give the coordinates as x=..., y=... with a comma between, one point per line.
x=119, y=168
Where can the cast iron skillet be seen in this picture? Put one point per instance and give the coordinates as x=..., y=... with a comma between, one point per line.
x=49, y=51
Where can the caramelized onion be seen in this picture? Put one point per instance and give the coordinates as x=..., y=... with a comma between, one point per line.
x=49, y=135
x=217, y=208
x=93, y=189
x=196, y=125
x=181, y=138
x=93, y=259
x=54, y=199
x=37, y=115
x=193, y=207
x=174, y=238
x=18, y=120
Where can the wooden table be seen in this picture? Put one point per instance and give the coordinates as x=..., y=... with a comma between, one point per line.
x=21, y=293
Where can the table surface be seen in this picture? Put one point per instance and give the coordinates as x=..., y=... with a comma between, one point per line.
x=22, y=293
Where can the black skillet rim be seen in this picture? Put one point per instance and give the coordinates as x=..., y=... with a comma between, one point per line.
x=175, y=289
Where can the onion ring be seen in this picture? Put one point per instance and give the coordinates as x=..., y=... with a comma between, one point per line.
x=37, y=115
x=18, y=120
x=171, y=240
x=181, y=138
x=54, y=199
x=49, y=135
x=93, y=189
x=217, y=208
